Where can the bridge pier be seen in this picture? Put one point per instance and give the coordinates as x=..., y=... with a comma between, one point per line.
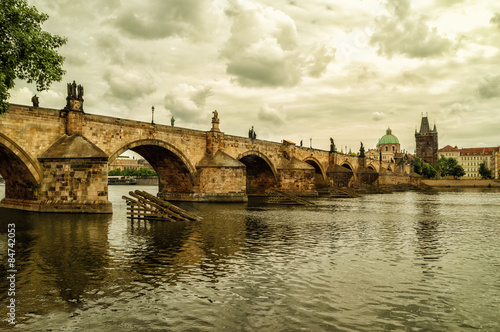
x=294, y=175
x=297, y=177
x=75, y=178
x=219, y=178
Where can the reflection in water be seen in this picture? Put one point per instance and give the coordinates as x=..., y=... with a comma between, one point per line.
x=58, y=258
x=428, y=233
x=406, y=261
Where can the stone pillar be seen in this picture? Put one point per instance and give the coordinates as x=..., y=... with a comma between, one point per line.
x=74, y=122
x=221, y=178
x=75, y=177
x=295, y=176
x=215, y=142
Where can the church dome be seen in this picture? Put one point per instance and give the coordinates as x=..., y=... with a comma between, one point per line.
x=388, y=138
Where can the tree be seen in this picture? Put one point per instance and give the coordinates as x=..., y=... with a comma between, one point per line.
x=444, y=165
x=484, y=171
x=26, y=51
x=141, y=172
x=449, y=166
x=457, y=171
x=417, y=165
x=428, y=171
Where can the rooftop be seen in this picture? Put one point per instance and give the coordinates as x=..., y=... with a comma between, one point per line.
x=388, y=138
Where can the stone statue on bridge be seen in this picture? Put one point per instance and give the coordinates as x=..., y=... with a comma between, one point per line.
x=215, y=121
x=332, y=145
x=35, y=101
x=362, y=151
x=75, y=97
x=75, y=91
x=252, y=134
x=172, y=121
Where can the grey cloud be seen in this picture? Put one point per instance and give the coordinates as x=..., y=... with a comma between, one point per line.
x=263, y=48
x=187, y=102
x=318, y=58
x=496, y=20
x=129, y=84
x=378, y=116
x=407, y=33
x=449, y=3
x=457, y=109
x=411, y=78
x=164, y=18
x=271, y=114
x=489, y=87
x=400, y=7
x=259, y=51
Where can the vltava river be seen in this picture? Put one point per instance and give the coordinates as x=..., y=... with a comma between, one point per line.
x=403, y=262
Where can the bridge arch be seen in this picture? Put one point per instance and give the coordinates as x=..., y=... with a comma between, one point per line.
x=176, y=173
x=261, y=173
x=320, y=178
x=22, y=174
x=347, y=178
x=373, y=167
x=348, y=165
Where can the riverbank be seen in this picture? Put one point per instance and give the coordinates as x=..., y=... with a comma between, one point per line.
x=462, y=183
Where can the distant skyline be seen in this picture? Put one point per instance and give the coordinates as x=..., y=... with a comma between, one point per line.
x=293, y=69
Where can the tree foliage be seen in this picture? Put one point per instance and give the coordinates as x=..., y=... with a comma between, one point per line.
x=417, y=165
x=141, y=172
x=449, y=166
x=484, y=171
x=428, y=171
x=26, y=51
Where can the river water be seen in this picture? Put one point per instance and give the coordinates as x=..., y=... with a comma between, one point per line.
x=398, y=262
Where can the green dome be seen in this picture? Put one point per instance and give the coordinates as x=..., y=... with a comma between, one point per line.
x=388, y=138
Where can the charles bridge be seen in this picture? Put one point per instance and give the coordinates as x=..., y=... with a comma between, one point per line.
x=57, y=161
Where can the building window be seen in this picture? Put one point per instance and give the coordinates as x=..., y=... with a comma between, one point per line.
x=386, y=149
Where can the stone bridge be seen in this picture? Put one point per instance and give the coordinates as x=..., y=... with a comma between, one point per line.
x=57, y=161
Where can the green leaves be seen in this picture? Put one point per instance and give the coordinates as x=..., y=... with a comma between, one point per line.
x=26, y=51
x=141, y=172
x=484, y=171
x=449, y=166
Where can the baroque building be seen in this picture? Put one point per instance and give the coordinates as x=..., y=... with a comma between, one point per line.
x=388, y=146
x=471, y=158
x=427, y=142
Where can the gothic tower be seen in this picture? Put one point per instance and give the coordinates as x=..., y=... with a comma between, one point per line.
x=427, y=142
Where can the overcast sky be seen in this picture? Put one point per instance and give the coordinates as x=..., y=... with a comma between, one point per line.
x=294, y=69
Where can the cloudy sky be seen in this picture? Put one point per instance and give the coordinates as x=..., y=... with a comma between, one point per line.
x=294, y=69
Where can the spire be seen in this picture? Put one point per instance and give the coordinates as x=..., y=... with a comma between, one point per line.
x=389, y=131
x=424, y=126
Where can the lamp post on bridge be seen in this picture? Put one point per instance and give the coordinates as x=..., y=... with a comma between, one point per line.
x=152, y=115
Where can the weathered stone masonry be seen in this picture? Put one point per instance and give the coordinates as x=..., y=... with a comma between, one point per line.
x=57, y=161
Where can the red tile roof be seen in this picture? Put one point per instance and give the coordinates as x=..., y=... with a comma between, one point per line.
x=449, y=148
x=477, y=151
